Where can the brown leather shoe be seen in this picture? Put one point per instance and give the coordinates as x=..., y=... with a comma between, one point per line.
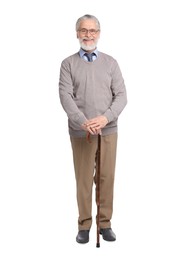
x=107, y=234
x=83, y=236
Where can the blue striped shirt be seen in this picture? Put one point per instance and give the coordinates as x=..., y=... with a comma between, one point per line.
x=82, y=52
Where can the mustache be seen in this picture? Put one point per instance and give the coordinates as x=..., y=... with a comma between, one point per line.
x=85, y=38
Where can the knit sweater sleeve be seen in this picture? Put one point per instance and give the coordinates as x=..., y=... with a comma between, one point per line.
x=118, y=89
x=67, y=97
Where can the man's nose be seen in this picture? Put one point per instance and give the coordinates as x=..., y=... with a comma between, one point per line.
x=88, y=33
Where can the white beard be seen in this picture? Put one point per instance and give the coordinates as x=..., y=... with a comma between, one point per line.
x=88, y=47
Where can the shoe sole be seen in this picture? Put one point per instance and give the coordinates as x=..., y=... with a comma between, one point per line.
x=80, y=242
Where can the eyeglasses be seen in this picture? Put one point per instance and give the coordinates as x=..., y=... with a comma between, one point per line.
x=91, y=31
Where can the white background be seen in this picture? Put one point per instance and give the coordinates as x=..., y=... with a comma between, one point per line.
x=38, y=212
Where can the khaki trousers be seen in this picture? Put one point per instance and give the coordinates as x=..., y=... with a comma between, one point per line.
x=84, y=157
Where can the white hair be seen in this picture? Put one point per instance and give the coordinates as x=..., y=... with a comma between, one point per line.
x=85, y=17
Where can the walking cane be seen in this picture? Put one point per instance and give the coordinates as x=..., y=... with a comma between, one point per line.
x=98, y=189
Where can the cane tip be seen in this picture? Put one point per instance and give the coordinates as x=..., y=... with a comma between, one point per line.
x=98, y=245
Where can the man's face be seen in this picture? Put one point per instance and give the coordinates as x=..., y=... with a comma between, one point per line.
x=88, y=35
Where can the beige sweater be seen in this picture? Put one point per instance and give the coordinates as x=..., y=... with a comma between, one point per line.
x=89, y=89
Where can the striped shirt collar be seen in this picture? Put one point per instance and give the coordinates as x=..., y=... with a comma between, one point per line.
x=82, y=52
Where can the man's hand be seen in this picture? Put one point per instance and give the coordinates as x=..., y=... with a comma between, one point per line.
x=94, y=125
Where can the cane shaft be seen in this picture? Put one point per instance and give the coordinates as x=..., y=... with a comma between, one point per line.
x=98, y=189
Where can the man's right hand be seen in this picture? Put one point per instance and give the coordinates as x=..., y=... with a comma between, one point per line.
x=92, y=130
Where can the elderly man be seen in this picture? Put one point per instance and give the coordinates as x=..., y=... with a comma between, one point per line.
x=93, y=95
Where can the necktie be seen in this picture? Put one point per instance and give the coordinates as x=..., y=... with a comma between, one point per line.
x=89, y=56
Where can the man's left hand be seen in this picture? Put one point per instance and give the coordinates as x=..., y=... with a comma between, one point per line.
x=97, y=123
